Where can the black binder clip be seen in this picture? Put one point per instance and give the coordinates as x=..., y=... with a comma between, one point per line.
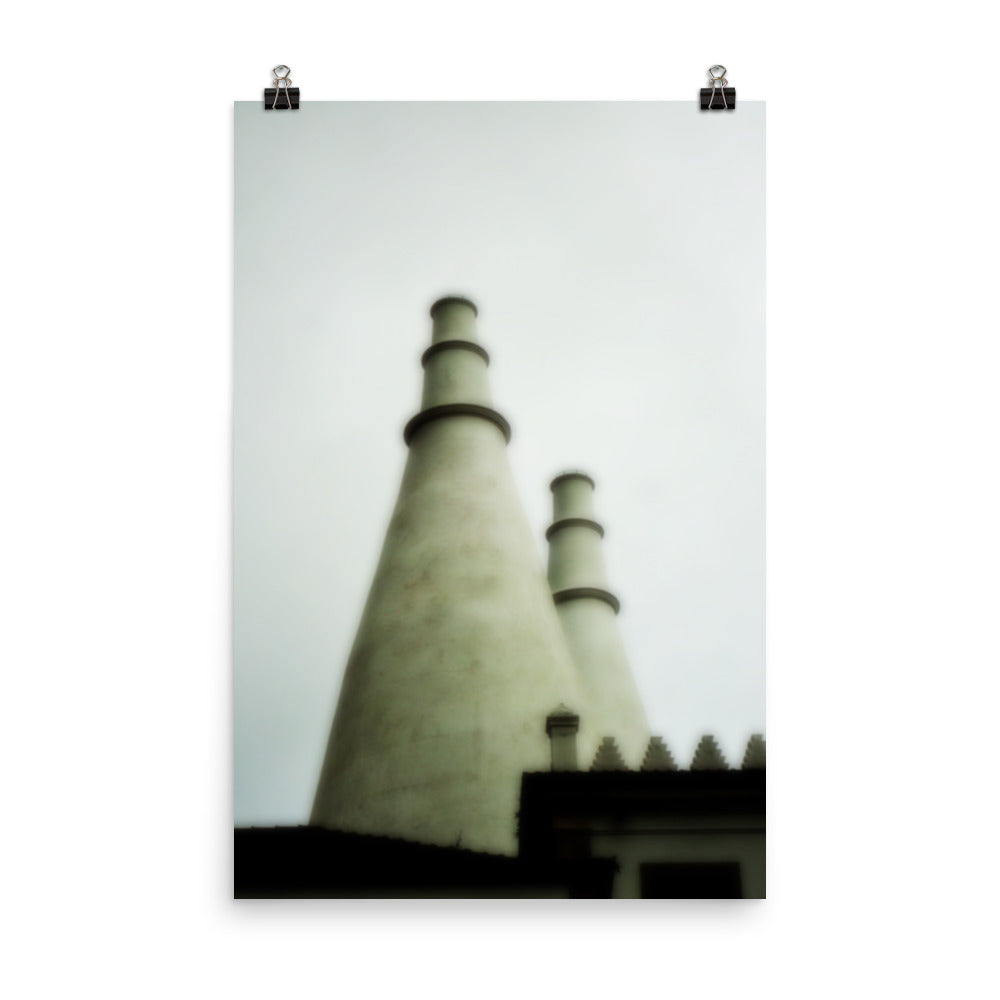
x=282, y=96
x=718, y=97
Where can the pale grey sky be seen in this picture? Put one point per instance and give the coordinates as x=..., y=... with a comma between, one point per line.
x=616, y=253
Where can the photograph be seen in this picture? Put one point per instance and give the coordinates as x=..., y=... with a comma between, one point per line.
x=498, y=500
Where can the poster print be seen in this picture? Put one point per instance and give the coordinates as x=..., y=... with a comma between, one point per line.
x=498, y=500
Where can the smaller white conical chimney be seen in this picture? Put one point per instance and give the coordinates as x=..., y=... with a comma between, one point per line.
x=588, y=610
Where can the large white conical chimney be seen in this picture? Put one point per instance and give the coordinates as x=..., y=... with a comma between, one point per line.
x=459, y=656
x=588, y=611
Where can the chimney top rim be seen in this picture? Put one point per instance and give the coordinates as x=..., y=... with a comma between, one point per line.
x=448, y=300
x=571, y=475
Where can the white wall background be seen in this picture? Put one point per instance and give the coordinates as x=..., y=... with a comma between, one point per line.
x=882, y=499
x=616, y=251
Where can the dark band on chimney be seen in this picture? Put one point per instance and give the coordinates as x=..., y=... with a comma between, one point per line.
x=455, y=410
x=574, y=522
x=451, y=345
x=572, y=593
